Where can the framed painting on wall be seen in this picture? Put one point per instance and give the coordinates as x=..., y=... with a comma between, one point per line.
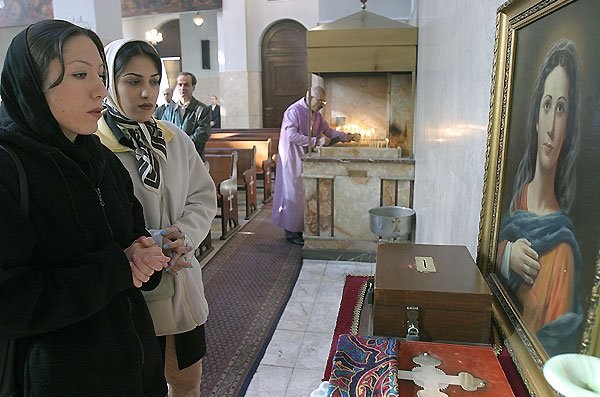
x=539, y=241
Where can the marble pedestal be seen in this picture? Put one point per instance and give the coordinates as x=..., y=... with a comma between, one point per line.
x=341, y=184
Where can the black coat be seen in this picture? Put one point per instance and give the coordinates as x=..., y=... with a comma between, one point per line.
x=65, y=284
x=215, y=115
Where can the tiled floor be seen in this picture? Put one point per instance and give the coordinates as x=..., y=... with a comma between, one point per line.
x=295, y=359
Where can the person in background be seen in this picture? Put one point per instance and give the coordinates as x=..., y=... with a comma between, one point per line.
x=72, y=267
x=167, y=93
x=215, y=113
x=179, y=201
x=288, y=198
x=538, y=255
x=190, y=114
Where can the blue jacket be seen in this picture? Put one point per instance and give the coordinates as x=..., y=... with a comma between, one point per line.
x=195, y=121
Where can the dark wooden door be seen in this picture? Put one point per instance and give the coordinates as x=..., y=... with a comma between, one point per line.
x=284, y=71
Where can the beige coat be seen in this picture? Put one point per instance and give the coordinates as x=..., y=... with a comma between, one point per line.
x=186, y=199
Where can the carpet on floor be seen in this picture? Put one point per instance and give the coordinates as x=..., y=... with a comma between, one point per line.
x=352, y=302
x=348, y=314
x=247, y=284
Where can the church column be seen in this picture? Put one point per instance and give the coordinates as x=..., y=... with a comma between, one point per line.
x=239, y=89
x=101, y=16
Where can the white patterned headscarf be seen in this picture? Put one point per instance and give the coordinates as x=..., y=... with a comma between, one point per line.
x=145, y=139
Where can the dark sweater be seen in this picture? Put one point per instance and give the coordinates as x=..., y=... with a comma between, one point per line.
x=65, y=284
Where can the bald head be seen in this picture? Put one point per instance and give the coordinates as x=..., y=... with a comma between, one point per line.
x=318, y=98
x=167, y=93
x=317, y=91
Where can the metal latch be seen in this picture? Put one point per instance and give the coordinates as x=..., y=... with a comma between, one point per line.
x=412, y=323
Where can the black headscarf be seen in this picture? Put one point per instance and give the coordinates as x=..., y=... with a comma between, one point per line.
x=25, y=107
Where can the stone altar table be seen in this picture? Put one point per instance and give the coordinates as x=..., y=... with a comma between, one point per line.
x=341, y=184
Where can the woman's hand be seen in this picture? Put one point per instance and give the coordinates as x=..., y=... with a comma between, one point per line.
x=177, y=247
x=524, y=260
x=177, y=263
x=145, y=258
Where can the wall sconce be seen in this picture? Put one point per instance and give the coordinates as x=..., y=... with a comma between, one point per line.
x=198, y=20
x=154, y=36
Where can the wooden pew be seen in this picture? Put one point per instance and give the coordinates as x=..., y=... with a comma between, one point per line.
x=246, y=173
x=223, y=170
x=248, y=137
x=204, y=248
x=264, y=147
x=267, y=168
x=262, y=133
x=249, y=134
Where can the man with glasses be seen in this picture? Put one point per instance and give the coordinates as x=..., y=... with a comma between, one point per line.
x=288, y=199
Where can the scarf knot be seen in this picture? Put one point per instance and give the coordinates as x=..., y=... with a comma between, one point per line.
x=147, y=142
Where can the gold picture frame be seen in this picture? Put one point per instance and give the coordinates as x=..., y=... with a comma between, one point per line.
x=539, y=235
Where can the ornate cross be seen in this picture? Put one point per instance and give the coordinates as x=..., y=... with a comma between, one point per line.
x=433, y=379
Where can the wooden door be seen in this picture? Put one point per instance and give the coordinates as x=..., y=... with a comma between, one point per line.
x=284, y=70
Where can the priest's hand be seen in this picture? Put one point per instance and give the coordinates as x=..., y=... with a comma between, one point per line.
x=354, y=137
x=324, y=141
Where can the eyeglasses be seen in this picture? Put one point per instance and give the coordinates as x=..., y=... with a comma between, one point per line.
x=321, y=101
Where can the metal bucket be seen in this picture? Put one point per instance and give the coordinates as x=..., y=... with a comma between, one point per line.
x=392, y=222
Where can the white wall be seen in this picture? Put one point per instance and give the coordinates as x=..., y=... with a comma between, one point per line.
x=262, y=13
x=136, y=27
x=456, y=42
x=6, y=36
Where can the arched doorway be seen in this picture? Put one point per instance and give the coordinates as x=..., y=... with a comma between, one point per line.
x=170, y=49
x=284, y=69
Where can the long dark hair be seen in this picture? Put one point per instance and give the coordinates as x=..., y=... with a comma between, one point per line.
x=46, y=40
x=562, y=53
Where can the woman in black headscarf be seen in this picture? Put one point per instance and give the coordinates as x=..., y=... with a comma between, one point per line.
x=71, y=269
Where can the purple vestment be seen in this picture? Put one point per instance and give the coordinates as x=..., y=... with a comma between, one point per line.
x=288, y=199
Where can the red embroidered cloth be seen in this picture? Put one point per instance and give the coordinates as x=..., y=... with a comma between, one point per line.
x=507, y=369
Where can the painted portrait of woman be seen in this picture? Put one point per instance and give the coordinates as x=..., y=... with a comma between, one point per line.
x=539, y=258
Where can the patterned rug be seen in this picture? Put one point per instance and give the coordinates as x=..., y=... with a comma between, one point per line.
x=247, y=285
x=348, y=314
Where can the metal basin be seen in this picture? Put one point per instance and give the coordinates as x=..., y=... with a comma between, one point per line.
x=392, y=221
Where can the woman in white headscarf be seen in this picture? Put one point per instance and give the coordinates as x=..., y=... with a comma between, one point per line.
x=179, y=201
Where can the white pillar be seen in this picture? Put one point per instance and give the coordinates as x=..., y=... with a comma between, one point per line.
x=235, y=79
x=101, y=16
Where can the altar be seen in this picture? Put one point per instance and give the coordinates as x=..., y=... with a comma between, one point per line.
x=369, y=59
x=341, y=184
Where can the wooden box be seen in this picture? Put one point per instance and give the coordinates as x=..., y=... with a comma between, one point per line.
x=454, y=303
